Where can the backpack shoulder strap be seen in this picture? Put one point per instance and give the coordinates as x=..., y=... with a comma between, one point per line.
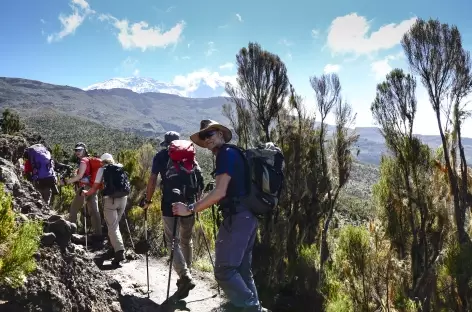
x=247, y=173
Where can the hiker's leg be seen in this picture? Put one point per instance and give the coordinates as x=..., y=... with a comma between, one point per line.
x=92, y=205
x=231, y=245
x=178, y=263
x=186, y=243
x=111, y=216
x=46, y=193
x=75, y=207
x=246, y=265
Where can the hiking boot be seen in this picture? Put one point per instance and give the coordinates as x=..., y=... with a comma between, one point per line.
x=185, y=285
x=106, y=255
x=102, y=257
x=119, y=256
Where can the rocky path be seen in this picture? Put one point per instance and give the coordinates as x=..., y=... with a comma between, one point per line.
x=133, y=280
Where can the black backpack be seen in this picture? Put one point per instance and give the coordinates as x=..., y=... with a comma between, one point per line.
x=178, y=177
x=115, y=181
x=264, y=177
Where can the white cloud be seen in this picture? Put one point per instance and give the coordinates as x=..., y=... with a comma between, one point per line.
x=142, y=36
x=186, y=57
x=349, y=34
x=191, y=81
x=381, y=68
x=315, y=33
x=136, y=73
x=211, y=49
x=239, y=17
x=285, y=42
x=227, y=66
x=331, y=68
x=69, y=23
x=289, y=56
x=42, y=21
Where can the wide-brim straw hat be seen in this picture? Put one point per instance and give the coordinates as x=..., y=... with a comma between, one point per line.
x=206, y=125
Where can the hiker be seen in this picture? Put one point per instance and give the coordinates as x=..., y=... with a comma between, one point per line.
x=39, y=169
x=237, y=233
x=83, y=179
x=116, y=188
x=163, y=165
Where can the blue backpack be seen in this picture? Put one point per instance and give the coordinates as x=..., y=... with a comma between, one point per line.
x=41, y=162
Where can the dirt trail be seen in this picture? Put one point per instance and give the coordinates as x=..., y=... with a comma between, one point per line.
x=132, y=277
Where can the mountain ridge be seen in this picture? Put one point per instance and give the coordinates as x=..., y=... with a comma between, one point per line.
x=201, y=87
x=151, y=114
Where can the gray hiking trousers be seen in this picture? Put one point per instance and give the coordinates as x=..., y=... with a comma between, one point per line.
x=92, y=207
x=113, y=209
x=233, y=259
x=183, y=248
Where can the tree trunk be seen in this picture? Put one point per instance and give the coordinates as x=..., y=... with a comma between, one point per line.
x=459, y=214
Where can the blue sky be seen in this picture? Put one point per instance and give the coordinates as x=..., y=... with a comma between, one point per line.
x=81, y=42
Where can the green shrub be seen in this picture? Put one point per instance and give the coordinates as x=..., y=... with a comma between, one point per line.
x=18, y=244
x=63, y=200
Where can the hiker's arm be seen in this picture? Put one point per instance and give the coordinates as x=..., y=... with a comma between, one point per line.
x=96, y=183
x=222, y=181
x=80, y=174
x=151, y=186
x=91, y=191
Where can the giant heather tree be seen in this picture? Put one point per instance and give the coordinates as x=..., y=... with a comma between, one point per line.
x=327, y=90
x=262, y=86
x=434, y=52
x=404, y=190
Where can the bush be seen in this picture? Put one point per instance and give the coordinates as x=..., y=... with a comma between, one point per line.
x=63, y=200
x=11, y=122
x=18, y=244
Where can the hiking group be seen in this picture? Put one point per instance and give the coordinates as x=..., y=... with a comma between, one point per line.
x=247, y=185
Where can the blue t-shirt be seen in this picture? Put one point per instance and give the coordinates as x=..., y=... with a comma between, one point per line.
x=230, y=161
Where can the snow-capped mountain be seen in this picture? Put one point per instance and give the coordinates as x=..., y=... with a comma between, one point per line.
x=199, y=87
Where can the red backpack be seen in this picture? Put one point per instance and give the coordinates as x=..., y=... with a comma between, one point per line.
x=94, y=163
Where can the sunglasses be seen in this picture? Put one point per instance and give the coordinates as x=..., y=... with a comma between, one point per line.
x=207, y=134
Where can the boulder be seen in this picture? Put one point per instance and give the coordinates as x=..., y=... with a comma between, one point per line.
x=48, y=239
x=62, y=228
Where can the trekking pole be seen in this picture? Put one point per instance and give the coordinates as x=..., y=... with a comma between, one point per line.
x=147, y=250
x=208, y=249
x=146, y=247
x=85, y=218
x=129, y=232
x=174, y=232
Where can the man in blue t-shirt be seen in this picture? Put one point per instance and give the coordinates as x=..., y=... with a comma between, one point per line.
x=237, y=233
x=182, y=254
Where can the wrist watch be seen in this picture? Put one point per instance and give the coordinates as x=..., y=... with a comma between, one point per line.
x=191, y=208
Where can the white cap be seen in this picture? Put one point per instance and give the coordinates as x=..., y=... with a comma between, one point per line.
x=106, y=156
